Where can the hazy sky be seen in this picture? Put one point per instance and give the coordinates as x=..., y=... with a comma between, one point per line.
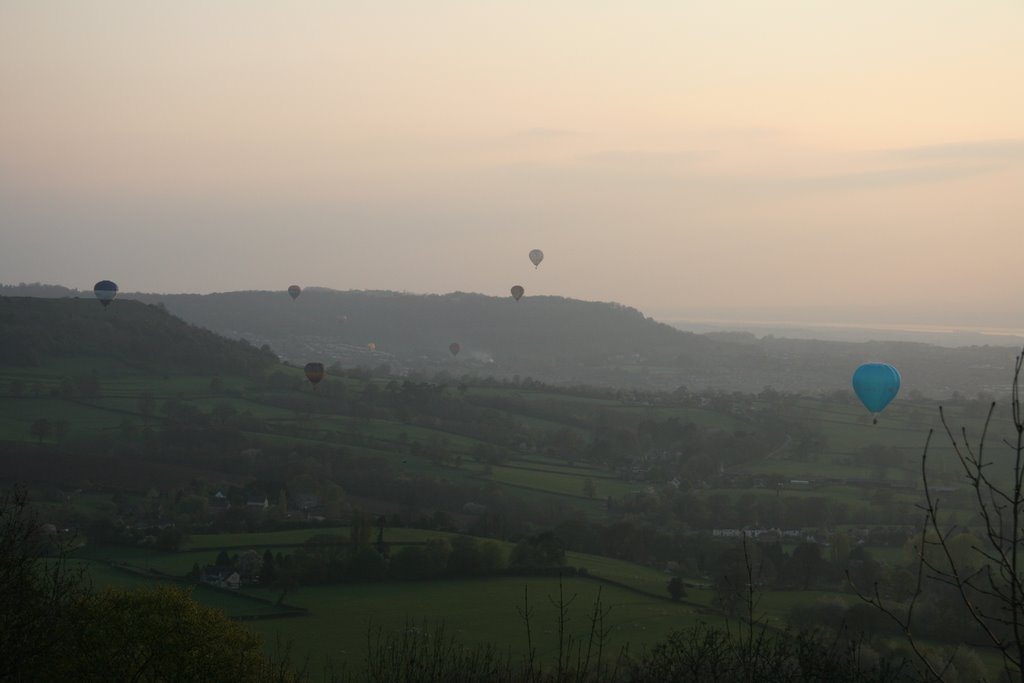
x=833, y=160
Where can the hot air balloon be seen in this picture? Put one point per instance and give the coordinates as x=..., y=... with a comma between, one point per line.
x=536, y=256
x=876, y=384
x=454, y=347
x=314, y=372
x=105, y=291
x=294, y=292
x=372, y=347
x=517, y=292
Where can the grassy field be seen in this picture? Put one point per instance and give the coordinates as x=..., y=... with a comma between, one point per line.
x=206, y=546
x=18, y=414
x=845, y=429
x=538, y=479
x=475, y=612
x=560, y=484
x=300, y=536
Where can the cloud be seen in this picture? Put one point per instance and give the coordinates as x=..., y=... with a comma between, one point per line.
x=636, y=158
x=883, y=178
x=991, y=150
x=542, y=134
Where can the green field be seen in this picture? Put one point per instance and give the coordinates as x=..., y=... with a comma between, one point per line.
x=475, y=612
x=546, y=479
x=561, y=484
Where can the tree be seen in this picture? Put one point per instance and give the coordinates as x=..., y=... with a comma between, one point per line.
x=36, y=594
x=805, y=565
x=53, y=627
x=61, y=428
x=158, y=634
x=249, y=565
x=222, y=412
x=862, y=568
x=435, y=556
x=408, y=563
x=146, y=403
x=676, y=588
x=742, y=570
x=268, y=572
x=360, y=529
x=287, y=582
x=542, y=550
x=492, y=557
x=840, y=549
x=706, y=653
x=169, y=538
x=464, y=559
x=41, y=429
x=983, y=577
x=367, y=564
x=588, y=488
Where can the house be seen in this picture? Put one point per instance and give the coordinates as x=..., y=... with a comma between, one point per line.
x=307, y=501
x=727, y=533
x=220, y=577
x=257, y=502
x=474, y=508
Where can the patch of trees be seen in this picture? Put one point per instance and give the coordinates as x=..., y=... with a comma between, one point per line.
x=327, y=559
x=54, y=626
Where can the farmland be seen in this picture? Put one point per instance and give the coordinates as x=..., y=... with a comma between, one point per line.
x=162, y=471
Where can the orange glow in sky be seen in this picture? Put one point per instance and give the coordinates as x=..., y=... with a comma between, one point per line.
x=708, y=155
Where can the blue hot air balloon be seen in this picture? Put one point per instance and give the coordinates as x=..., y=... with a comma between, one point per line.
x=105, y=291
x=876, y=384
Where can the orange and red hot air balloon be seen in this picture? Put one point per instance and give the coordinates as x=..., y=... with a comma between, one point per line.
x=314, y=372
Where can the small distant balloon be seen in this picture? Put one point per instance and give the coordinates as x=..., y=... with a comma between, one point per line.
x=105, y=291
x=314, y=372
x=517, y=292
x=372, y=347
x=294, y=292
x=876, y=384
x=536, y=256
x=454, y=347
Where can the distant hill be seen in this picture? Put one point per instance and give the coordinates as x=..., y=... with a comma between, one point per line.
x=559, y=340
x=537, y=334
x=566, y=341
x=144, y=336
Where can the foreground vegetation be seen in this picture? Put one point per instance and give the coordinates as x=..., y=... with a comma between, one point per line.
x=55, y=627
